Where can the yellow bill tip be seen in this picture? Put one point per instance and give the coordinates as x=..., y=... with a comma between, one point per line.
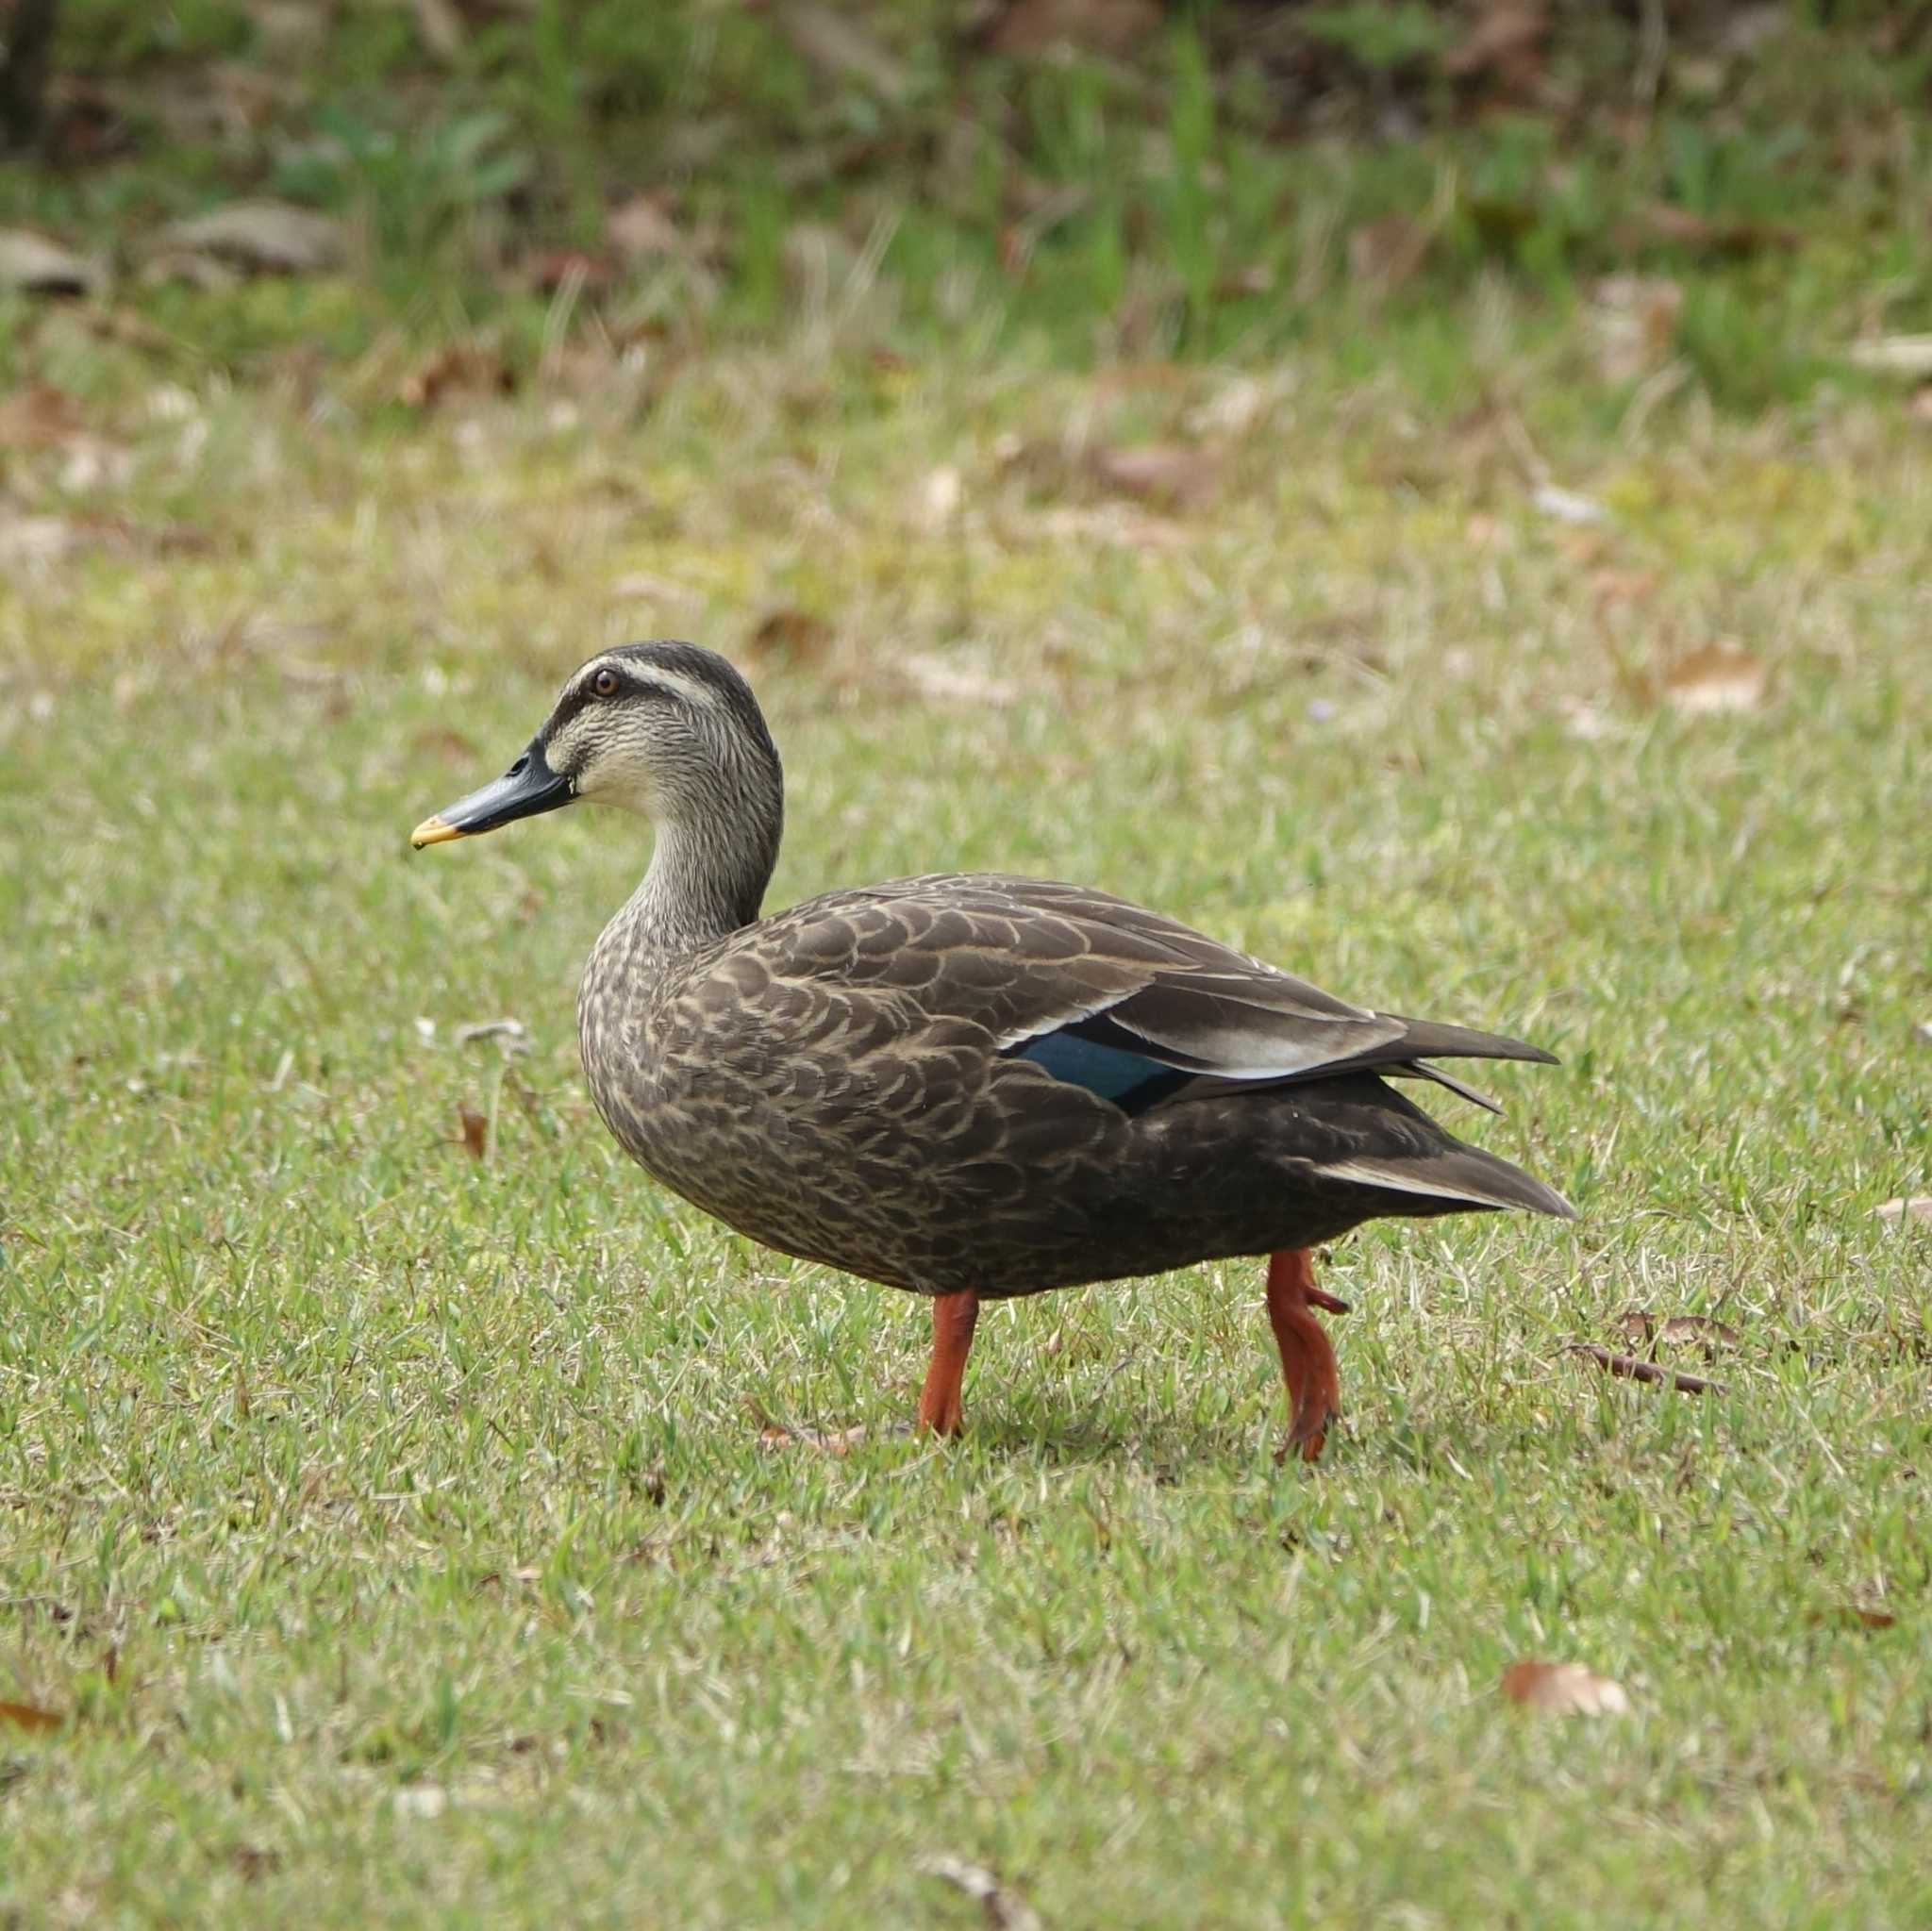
x=433, y=831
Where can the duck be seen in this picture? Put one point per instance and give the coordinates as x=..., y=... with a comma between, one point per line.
x=968, y=1085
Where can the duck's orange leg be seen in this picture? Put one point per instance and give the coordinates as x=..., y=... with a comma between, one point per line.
x=1307, y=1359
x=953, y=1318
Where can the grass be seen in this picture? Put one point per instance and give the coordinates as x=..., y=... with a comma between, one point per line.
x=1190, y=195
x=390, y=1528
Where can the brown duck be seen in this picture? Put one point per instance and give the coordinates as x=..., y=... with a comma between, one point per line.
x=968, y=1085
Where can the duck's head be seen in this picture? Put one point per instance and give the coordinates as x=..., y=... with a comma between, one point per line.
x=667, y=730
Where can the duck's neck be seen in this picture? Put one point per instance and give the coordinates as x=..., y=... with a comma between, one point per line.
x=698, y=887
x=710, y=865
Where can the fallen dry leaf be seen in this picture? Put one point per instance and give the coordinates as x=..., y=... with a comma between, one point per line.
x=1866, y=1616
x=448, y=744
x=262, y=237
x=1616, y=589
x=36, y=266
x=1507, y=41
x=1385, y=253
x=461, y=369
x=640, y=229
x=1085, y=27
x=1169, y=475
x=1640, y=1326
x=1719, y=677
x=476, y=1129
x=1005, y=1908
x=789, y=636
x=30, y=1717
x=558, y=268
x=833, y=1442
x=1917, y=1206
x=1705, y=1329
x=39, y=416
x=1680, y=228
x=1564, y=1689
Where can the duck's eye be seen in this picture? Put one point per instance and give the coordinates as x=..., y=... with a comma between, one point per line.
x=605, y=683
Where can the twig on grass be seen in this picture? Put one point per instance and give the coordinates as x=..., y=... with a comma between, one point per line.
x=1639, y=1370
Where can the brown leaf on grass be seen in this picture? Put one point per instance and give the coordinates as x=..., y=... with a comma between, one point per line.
x=1920, y=408
x=1617, y=589
x=1641, y=1327
x=557, y=268
x=1385, y=253
x=1705, y=1330
x=1255, y=280
x=832, y=1441
x=1564, y=1689
x=31, y=1717
x=461, y=369
x=640, y=229
x=476, y=1131
x=1169, y=475
x=1917, y=1206
x=790, y=637
x=1678, y=227
x=1085, y=27
x=34, y=265
x=449, y=745
x=39, y=416
x=1719, y=677
x=1632, y=1369
x=1859, y=1615
x=252, y=1863
x=1507, y=40
x=260, y=237
x=1005, y=1908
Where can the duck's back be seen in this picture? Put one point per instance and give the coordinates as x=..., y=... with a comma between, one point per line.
x=977, y=1081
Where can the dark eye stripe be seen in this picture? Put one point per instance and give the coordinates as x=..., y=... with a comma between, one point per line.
x=584, y=696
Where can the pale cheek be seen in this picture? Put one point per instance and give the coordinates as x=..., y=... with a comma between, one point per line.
x=609, y=783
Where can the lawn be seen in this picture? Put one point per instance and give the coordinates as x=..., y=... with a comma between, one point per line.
x=389, y=1517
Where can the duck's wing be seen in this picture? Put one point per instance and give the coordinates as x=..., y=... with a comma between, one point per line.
x=1134, y=1005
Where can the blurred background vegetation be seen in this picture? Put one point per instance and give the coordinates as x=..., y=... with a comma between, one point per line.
x=1107, y=178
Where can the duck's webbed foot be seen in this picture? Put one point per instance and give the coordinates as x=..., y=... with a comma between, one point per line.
x=940, y=1409
x=1308, y=1357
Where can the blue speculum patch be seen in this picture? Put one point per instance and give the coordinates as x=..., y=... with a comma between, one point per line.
x=1131, y=1080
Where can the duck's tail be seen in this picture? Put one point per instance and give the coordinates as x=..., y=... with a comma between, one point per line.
x=1390, y=1144
x=1459, y=1176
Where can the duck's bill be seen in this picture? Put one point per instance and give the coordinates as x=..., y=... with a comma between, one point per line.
x=528, y=787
